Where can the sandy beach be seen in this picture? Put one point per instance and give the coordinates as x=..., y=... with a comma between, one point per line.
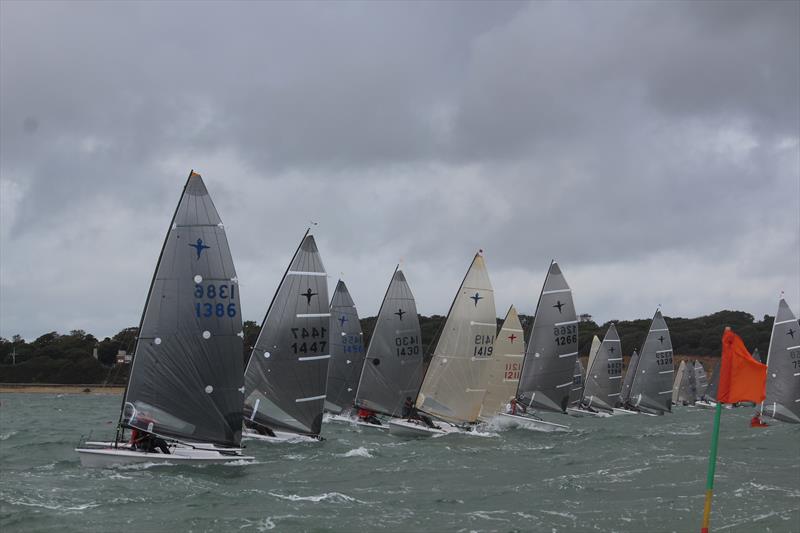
x=42, y=388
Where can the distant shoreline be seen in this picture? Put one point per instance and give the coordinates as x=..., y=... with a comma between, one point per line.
x=57, y=388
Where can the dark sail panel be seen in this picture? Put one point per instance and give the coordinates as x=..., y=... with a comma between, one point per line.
x=347, y=351
x=549, y=366
x=393, y=367
x=652, y=386
x=602, y=387
x=783, y=367
x=286, y=376
x=186, y=379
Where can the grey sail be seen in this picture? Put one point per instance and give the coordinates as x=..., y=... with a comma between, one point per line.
x=783, y=372
x=347, y=351
x=711, y=391
x=578, y=380
x=701, y=380
x=456, y=380
x=603, y=378
x=652, y=384
x=630, y=373
x=549, y=365
x=186, y=379
x=393, y=368
x=757, y=356
x=287, y=372
x=681, y=384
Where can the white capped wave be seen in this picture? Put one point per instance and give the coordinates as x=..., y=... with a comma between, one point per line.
x=8, y=435
x=52, y=506
x=333, y=497
x=357, y=452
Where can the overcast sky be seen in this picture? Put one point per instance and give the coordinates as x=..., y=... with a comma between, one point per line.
x=652, y=148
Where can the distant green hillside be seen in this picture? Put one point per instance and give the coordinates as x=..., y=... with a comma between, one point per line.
x=55, y=358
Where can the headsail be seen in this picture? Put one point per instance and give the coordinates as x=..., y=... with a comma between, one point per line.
x=393, y=366
x=186, y=379
x=347, y=351
x=630, y=373
x=455, y=383
x=604, y=376
x=506, y=364
x=652, y=385
x=286, y=376
x=549, y=364
x=783, y=368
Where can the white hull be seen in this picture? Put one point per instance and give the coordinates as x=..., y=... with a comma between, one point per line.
x=526, y=422
x=281, y=437
x=360, y=423
x=579, y=413
x=619, y=411
x=171, y=444
x=106, y=457
x=400, y=427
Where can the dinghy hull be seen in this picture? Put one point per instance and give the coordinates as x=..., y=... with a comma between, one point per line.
x=109, y=457
x=281, y=437
x=414, y=428
x=526, y=422
x=620, y=411
x=578, y=413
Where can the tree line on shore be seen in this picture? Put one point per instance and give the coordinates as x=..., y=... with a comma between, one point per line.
x=69, y=359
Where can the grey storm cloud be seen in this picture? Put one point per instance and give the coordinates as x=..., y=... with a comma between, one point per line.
x=653, y=148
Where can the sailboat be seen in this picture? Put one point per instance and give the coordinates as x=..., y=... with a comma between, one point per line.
x=578, y=382
x=709, y=399
x=783, y=368
x=393, y=368
x=455, y=383
x=347, y=352
x=184, y=394
x=625, y=395
x=700, y=380
x=602, y=389
x=682, y=391
x=549, y=364
x=651, y=390
x=505, y=366
x=593, y=349
x=286, y=376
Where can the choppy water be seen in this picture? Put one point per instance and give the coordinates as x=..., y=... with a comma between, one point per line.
x=630, y=473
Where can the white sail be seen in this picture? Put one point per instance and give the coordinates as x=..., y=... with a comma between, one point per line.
x=593, y=351
x=509, y=349
x=455, y=383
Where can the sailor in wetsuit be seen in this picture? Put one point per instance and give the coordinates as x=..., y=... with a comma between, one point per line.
x=365, y=415
x=410, y=412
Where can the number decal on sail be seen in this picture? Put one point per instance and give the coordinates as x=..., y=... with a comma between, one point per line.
x=794, y=355
x=218, y=309
x=483, y=346
x=664, y=358
x=511, y=372
x=566, y=335
x=406, y=345
x=614, y=368
x=352, y=344
x=305, y=333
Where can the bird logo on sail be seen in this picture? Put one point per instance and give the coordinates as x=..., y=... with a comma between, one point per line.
x=199, y=247
x=476, y=298
x=308, y=294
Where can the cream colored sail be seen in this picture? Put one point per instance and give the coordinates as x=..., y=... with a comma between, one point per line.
x=455, y=384
x=509, y=350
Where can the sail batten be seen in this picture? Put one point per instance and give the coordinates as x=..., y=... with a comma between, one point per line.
x=186, y=377
x=550, y=355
